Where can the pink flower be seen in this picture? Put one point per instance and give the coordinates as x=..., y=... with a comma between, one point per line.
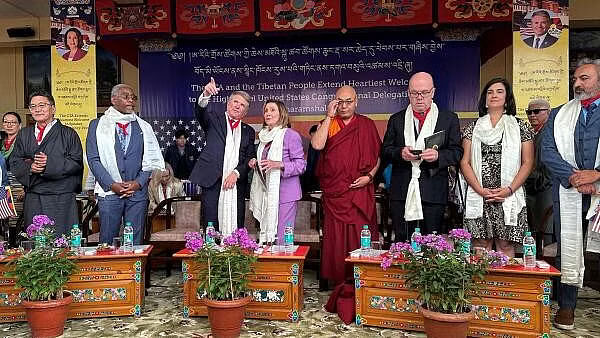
x=386, y=262
x=194, y=241
x=460, y=234
x=240, y=238
x=61, y=242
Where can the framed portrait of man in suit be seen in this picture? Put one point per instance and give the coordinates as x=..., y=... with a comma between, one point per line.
x=540, y=28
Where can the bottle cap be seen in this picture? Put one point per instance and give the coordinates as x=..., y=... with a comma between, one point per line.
x=417, y=229
x=127, y=223
x=75, y=226
x=527, y=233
x=210, y=224
x=365, y=226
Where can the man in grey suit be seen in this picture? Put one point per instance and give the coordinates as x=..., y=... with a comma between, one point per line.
x=569, y=151
x=540, y=23
x=122, y=152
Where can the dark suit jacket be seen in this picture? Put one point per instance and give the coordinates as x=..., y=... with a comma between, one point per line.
x=549, y=40
x=209, y=167
x=129, y=163
x=434, y=175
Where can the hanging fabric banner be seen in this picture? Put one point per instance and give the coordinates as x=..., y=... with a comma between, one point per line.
x=73, y=59
x=374, y=13
x=540, y=52
x=154, y=16
x=474, y=11
x=208, y=16
x=279, y=15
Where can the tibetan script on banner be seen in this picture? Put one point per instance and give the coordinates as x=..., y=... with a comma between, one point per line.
x=372, y=13
x=279, y=15
x=152, y=17
x=474, y=10
x=212, y=16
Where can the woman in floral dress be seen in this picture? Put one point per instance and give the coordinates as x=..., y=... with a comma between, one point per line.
x=498, y=157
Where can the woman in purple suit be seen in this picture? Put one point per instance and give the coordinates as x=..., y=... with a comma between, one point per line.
x=275, y=189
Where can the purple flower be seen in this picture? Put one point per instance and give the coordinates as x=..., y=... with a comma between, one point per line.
x=240, y=238
x=194, y=241
x=213, y=233
x=386, y=262
x=61, y=242
x=2, y=248
x=460, y=234
x=400, y=247
x=497, y=259
x=42, y=220
x=33, y=229
x=435, y=242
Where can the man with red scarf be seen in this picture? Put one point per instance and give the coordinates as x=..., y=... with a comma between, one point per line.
x=419, y=185
x=570, y=152
x=349, y=158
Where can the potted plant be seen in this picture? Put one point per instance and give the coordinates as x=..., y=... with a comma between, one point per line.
x=445, y=277
x=224, y=278
x=42, y=273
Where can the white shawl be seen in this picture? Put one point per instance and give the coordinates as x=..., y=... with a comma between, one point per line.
x=265, y=204
x=413, y=210
x=228, y=198
x=571, y=232
x=507, y=129
x=105, y=138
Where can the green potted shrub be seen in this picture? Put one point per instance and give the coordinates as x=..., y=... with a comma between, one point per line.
x=42, y=273
x=445, y=277
x=224, y=278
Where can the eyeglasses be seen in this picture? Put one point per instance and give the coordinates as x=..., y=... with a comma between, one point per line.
x=423, y=93
x=343, y=102
x=535, y=111
x=39, y=105
x=129, y=97
x=10, y=122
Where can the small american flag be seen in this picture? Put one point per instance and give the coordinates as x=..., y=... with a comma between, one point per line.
x=165, y=129
x=596, y=225
x=7, y=207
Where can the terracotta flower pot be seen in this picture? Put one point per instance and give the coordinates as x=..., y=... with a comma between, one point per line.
x=444, y=325
x=47, y=318
x=226, y=316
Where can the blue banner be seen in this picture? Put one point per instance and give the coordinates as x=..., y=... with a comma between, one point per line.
x=305, y=75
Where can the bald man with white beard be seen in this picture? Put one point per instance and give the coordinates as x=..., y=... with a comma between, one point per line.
x=419, y=185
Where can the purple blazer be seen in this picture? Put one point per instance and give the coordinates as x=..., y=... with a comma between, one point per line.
x=294, y=165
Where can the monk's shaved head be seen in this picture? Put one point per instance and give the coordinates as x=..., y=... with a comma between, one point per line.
x=346, y=102
x=345, y=92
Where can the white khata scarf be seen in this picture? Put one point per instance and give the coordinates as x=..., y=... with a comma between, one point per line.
x=413, y=210
x=228, y=198
x=265, y=204
x=507, y=130
x=105, y=137
x=571, y=232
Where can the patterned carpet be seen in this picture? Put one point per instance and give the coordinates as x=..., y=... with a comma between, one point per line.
x=162, y=318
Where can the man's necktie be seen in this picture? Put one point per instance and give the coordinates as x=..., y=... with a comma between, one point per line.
x=40, y=133
x=122, y=134
x=233, y=124
x=536, y=43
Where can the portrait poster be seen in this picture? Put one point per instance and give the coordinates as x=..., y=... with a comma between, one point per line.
x=540, y=52
x=73, y=62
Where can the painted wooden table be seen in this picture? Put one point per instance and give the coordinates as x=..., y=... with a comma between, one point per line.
x=514, y=302
x=107, y=284
x=277, y=286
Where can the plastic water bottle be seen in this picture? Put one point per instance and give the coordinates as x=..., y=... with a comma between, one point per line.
x=288, y=239
x=75, y=238
x=465, y=248
x=365, y=241
x=529, y=251
x=210, y=229
x=128, y=237
x=416, y=247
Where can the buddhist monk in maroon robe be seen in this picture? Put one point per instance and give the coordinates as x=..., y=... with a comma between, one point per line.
x=349, y=159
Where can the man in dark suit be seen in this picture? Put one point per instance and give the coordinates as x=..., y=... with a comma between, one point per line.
x=222, y=167
x=122, y=151
x=419, y=184
x=540, y=23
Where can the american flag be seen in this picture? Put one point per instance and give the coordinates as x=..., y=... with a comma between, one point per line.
x=596, y=224
x=7, y=208
x=165, y=129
